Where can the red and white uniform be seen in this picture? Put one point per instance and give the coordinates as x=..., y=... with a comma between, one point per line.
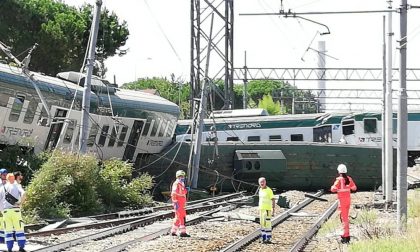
x=179, y=198
x=343, y=194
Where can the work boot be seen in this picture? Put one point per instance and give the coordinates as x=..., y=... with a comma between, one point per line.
x=184, y=235
x=173, y=234
x=22, y=250
x=345, y=240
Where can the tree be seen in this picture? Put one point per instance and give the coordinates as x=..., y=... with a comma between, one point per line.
x=288, y=95
x=219, y=86
x=256, y=89
x=61, y=31
x=267, y=103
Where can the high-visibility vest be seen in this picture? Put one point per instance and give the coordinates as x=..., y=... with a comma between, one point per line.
x=340, y=187
x=179, y=192
x=266, y=197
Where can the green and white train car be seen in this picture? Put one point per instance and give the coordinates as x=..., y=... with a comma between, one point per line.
x=122, y=124
x=360, y=129
x=366, y=129
x=256, y=126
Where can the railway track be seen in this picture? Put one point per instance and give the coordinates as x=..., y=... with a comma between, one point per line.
x=291, y=231
x=122, y=217
x=161, y=227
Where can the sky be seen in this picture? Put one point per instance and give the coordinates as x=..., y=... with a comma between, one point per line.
x=159, y=41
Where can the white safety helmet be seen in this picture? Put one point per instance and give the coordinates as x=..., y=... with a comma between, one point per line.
x=180, y=173
x=342, y=168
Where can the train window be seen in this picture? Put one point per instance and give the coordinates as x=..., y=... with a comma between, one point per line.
x=233, y=139
x=113, y=137
x=155, y=127
x=170, y=130
x=370, y=125
x=30, y=112
x=162, y=128
x=69, y=132
x=168, y=126
x=146, y=128
x=16, y=108
x=275, y=138
x=104, y=134
x=322, y=134
x=92, y=135
x=348, y=127
x=5, y=94
x=394, y=126
x=122, y=136
x=253, y=138
x=296, y=137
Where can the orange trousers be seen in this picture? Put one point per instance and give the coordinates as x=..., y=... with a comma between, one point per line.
x=179, y=221
x=344, y=208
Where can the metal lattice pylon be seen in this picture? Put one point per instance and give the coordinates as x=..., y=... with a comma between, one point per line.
x=221, y=65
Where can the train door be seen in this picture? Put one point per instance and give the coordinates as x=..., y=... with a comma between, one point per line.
x=55, y=129
x=130, y=149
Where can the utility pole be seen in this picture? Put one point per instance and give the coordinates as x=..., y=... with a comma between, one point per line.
x=86, y=89
x=245, y=98
x=402, y=124
x=201, y=115
x=384, y=185
x=389, y=152
x=321, y=74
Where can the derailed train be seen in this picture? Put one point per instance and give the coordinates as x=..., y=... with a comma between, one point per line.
x=293, y=151
x=123, y=123
x=254, y=125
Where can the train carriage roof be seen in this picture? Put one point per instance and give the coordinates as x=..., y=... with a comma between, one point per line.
x=68, y=81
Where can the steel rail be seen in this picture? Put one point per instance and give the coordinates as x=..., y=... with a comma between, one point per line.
x=143, y=211
x=128, y=226
x=237, y=245
x=300, y=245
x=165, y=231
x=146, y=213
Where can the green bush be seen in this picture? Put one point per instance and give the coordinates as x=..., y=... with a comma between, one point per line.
x=75, y=185
x=65, y=185
x=117, y=188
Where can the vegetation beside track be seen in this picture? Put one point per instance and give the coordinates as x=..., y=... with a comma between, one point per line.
x=68, y=184
x=382, y=236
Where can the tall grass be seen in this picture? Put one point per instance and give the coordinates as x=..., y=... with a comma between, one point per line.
x=401, y=243
x=383, y=238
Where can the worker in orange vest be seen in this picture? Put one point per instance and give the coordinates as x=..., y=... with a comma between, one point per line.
x=179, y=199
x=343, y=186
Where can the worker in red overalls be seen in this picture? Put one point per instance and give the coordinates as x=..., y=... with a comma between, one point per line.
x=343, y=186
x=179, y=198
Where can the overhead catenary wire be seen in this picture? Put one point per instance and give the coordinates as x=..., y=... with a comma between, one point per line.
x=292, y=14
x=203, y=169
x=163, y=32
